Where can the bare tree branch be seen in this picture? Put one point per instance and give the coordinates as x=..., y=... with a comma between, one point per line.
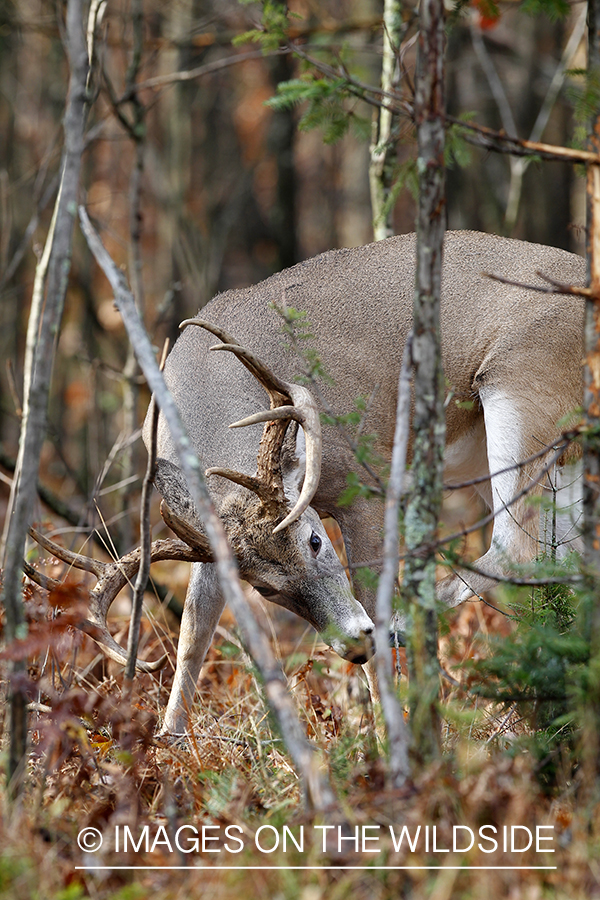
x=207, y=69
x=317, y=790
x=398, y=737
x=561, y=445
x=491, y=516
x=522, y=581
x=137, y=133
x=146, y=540
x=556, y=287
x=499, y=142
x=479, y=135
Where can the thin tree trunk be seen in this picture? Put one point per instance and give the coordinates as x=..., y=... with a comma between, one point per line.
x=383, y=144
x=44, y=323
x=591, y=447
x=137, y=133
x=424, y=505
x=281, y=141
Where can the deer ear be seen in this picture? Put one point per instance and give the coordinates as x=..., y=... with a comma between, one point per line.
x=293, y=462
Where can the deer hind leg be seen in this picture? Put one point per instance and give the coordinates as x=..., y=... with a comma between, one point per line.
x=204, y=604
x=510, y=438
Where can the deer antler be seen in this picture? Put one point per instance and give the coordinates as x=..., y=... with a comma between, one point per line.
x=111, y=578
x=288, y=401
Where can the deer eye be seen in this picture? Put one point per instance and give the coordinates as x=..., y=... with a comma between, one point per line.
x=315, y=542
x=266, y=592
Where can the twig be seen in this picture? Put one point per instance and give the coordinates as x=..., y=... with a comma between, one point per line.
x=146, y=540
x=19, y=253
x=479, y=135
x=398, y=737
x=201, y=71
x=556, y=287
x=317, y=790
x=368, y=92
x=489, y=138
x=519, y=581
x=567, y=438
x=51, y=500
x=490, y=517
x=481, y=523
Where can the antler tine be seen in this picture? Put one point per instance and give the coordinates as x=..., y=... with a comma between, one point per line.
x=116, y=576
x=119, y=573
x=309, y=419
x=269, y=380
x=95, y=627
x=187, y=530
x=210, y=326
x=269, y=415
x=43, y=581
x=76, y=560
x=255, y=366
x=114, y=651
x=306, y=414
x=248, y=481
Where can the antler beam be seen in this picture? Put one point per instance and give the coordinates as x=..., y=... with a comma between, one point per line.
x=111, y=578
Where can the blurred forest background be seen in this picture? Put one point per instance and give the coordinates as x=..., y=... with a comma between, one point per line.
x=222, y=191
x=197, y=186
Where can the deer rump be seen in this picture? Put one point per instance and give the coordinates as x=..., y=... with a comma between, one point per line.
x=514, y=353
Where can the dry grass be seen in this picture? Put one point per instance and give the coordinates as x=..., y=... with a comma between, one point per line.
x=94, y=762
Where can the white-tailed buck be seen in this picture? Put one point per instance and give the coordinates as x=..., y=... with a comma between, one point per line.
x=516, y=354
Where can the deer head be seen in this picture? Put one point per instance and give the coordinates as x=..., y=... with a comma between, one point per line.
x=279, y=542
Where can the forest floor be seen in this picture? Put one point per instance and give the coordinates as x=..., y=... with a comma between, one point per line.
x=110, y=810
x=224, y=815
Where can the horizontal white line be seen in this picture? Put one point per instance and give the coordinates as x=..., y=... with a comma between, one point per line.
x=318, y=868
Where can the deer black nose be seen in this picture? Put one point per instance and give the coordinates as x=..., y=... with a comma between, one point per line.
x=365, y=649
x=359, y=659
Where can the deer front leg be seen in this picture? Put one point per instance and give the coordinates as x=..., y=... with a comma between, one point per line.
x=201, y=613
